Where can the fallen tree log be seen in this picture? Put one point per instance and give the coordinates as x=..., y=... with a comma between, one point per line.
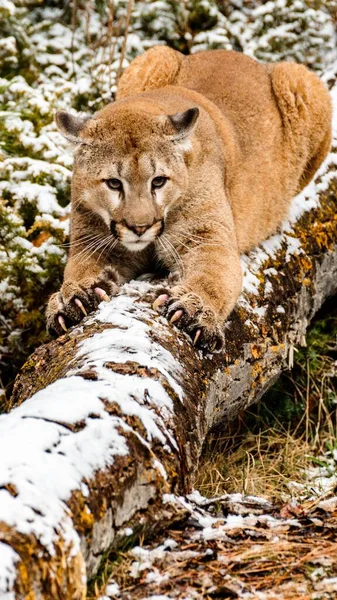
x=108, y=421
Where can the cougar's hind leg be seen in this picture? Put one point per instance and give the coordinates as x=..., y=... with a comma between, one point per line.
x=156, y=68
x=315, y=162
x=302, y=99
x=305, y=108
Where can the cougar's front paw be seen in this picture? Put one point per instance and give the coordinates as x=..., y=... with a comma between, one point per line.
x=187, y=311
x=76, y=299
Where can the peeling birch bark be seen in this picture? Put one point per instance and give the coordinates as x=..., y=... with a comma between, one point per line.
x=109, y=420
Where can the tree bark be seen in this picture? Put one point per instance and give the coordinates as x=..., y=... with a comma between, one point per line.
x=108, y=421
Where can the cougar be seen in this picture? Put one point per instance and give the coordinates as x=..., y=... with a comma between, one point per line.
x=194, y=163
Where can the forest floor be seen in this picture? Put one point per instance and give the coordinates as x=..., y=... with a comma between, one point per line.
x=236, y=548
x=263, y=522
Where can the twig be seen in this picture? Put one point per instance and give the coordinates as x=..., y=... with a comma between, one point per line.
x=127, y=25
x=73, y=30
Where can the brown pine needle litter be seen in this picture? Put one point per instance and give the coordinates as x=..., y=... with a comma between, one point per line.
x=258, y=554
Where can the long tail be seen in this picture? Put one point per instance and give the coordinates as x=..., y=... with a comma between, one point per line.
x=156, y=68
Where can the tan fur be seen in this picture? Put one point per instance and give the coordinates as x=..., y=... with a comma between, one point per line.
x=261, y=134
x=160, y=68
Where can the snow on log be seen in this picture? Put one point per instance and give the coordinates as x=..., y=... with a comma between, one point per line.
x=108, y=421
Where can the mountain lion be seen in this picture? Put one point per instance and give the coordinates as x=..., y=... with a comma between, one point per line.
x=195, y=163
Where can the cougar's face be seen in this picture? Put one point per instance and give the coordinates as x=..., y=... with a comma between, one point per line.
x=130, y=166
x=134, y=194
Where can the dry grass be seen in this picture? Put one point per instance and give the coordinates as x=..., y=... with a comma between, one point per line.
x=273, y=445
x=262, y=466
x=117, y=569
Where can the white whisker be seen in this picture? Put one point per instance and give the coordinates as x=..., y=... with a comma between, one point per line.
x=175, y=237
x=171, y=249
x=108, y=246
x=82, y=240
x=201, y=244
x=89, y=251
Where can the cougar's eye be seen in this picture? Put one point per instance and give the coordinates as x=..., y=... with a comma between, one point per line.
x=114, y=184
x=158, y=182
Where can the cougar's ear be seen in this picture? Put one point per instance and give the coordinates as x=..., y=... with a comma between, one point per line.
x=184, y=122
x=70, y=126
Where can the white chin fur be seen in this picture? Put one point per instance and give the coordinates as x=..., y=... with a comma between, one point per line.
x=135, y=246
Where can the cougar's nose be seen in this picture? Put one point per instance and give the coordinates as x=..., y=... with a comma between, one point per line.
x=138, y=229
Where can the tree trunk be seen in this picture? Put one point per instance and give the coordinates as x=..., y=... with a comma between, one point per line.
x=119, y=408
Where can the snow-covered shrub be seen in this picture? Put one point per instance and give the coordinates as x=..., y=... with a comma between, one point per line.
x=287, y=30
x=187, y=26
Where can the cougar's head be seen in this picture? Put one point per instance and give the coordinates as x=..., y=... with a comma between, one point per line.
x=130, y=166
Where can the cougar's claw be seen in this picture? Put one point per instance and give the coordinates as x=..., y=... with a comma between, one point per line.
x=101, y=294
x=80, y=306
x=196, y=337
x=188, y=312
x=62, y=322
x=176, y=316
x=76, y=299
x=160, y=301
